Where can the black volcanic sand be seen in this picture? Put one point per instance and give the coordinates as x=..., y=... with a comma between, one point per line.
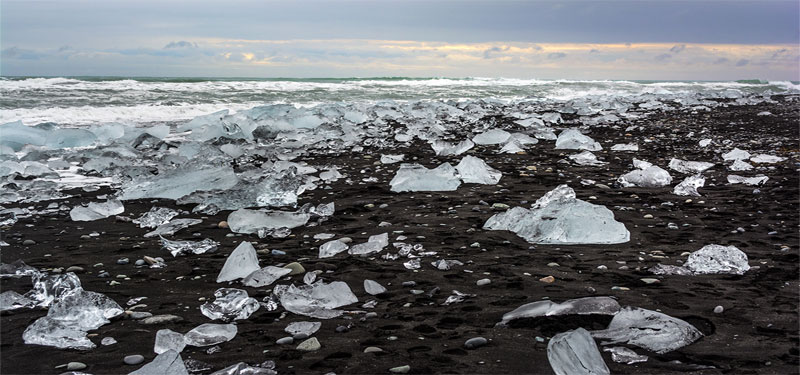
x=756, y=333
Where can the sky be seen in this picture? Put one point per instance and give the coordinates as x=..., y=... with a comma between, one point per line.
x=645, y=39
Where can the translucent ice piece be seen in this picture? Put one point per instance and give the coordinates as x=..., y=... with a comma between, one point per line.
x=736, y=154
x=415, y=177
x=17, y=269
x=251, y=221
x=621, y=354
x=167, y=339
x=579, y=306
x=317, y=300
x=373, y=287
x=166, y=363
x=473, y=170
x=7, y=219
x=767, y=159
x=375, y=244
x=173, y=184
x=332, y=248
x=242, y=262
x=97, y=211
x=391, y=159
x=47, y=288
x=752, y=181
x=586, y=158
x=689, y=167
x=173, y=226
x=230, y=304
x=265, y=276
x=522, y=139
x=740, y=165
x=307, y=328
x=11, y=300
x=276, y=189
x=648, y=176
x=575, y=353
x=648, y=329
x=491, y=137
x=210, y=334
x=155, y=217
x=573, y=139
x=718, y=259
x=512, y=147
x=443, y=148
x=16, y=135
x=560, y=218
x=625, y=147
x=689, y=186
x=242, y=368
x=189, y=247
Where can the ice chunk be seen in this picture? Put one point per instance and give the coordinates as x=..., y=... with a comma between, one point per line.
x=689, y=167
x=48, y=288
x=621, y=354
x=415, y=177
x=491, y=137
x=579, y=306
x=375, y=244
x=767, y=159
x=586, y=158
x=446, y=264
x=167, y=339
x=689, y=186
x=648, y=329
x=306, y=328
x=573, y=139
x=512, y=147
x=373, y=287
x=7, y=218
x=155, y=217
x=317, y=300
x=242, y=262
x=230, y=304
x=625, y=147
x=210, y=334
x=242, y=368
x=174, y=184
x=704, y=142
x=740, y=165
x=473, y=170
x=16, y=135
x=276, y=189
x=331, y=175
x=522, y=139
x=736, y=154
x=232, y=150
x=166, y=363
x=391, y=159
x=173, y=226
x=752, y=181
x=559, y=217
x=17, y=269
x=189, y=247
x=575, y=353
x=332, y=248
x=718, y=259
x=96, y=211
x=443, y=148
x=647, y=175
x=11, y=300
x=251, y=221
x=265, y=276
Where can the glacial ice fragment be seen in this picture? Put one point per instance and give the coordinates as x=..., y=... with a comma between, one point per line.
x=647, y=175
x=375, y=244
x=317, y=300
x=332, y=248
x=415, y=177
x=155, y=217
x=189, y=247
x=736, y=154
x=689, y=167
x=11, y=300
x=167, y=339
x=275, y=189
x=17, y=269
x=307, y=328
x=473, y=170
x=512, y=147
x=265, y=276
x=713, y=258
x=444, y=148
x=575, y=353
x=648, y=329
x=751, y=181
x=559, y=217
x=210, y=334
x=586, y=158
x=767, y=159
x=373, y=287
x=242, y=368
x=491, y=137
x=573, y=139
x=96, y=211
x=230, y=304
x=171, y=227
x=251, y=221
x=689, y=186
x=166, y=363
x=174, y=184
x=625, y=147
x=621, y=354
x=242, y=262
x=740, y=165
x=48, y=288
x=578, y=306
x=391, y=159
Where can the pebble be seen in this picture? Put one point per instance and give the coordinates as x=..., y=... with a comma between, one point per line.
x=342, y=329
x=500, y=206
x=75, y=366
x=300, y=336
x=74, y=269
x=620, y=288
x=475, y=342
x=297, y=268
x=278, y=252
x=648, y=280
x=108, y=341
x=718, y=310
x=648, y=216
x=138, y=315
x=409, y=284
x=371, y=315
x=140, y=262
x=123, y=261
x=346, y=239
x=553, y=264
x=114, y=282
x=159, y=319
x=28, y=243
x=483, y=282
x=223, y=224
x=548, y=279
x=373, y=349
x=309, y=345
x=150, y=260
x=134, y=359
x=285, y=341
x=400, y=369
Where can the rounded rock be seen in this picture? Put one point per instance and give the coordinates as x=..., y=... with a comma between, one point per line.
x=133, y=359
x=309, y=345
x=284, y=341
x=719, y=310
x=28, y=243
x=475, y=342
x=400, y=369
x=75, y=366
x=140, y=262
x=297, y=268
x=223, y=224
x=123, y=261
x=300, y=336
x=483, y=282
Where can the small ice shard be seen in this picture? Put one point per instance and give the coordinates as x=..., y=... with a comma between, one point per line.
x=578, y=306
x=704, y=142
x=456, y=297
x=373, y=287
x=391, y=159
x=96, y=211
x=647, y=175
x=443, y=148
x=230, y=304
x=331, y=175
x=491, y=137
x=251, y=221
x=317, y=300
x=648, y=329
x=736, y=154
x=689, y=186
x=210, y=334
x=711, y=259
x=575, y=353
x=512, y=147
x=306, y=328
x=332, y=248
x=522, y=139
x=621, y=354
x=552, y=117
x=446, y=264
x=232, y=150
x=586, y=158
x=174, y=184
x=625, y=147
x=559, y=217
x=155, y=217
x=166, y=363
x=309, y=278
x=530, y=122
x=167, y=339
x=375, y=244
x=173, y=226
x=242, y=262
x=412, y=264
x=415, y=177
x=752, y=181
x=242, y=368
x=189, y=247
x=740, y=165
x=689, y=167
x=11, y=300
x=265, y=276
x=17, y=269
x=7, y=218
x=573, y=139
x=473, y=170
x=48, y=288
x=767, y=159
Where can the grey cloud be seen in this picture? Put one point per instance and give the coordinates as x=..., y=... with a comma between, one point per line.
x=779, y=52
x=742, y=62
x=556, y=55
x=663, y=57
x=181, y=44
x=487, y=54
x=677, y=48
x=721, y=60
